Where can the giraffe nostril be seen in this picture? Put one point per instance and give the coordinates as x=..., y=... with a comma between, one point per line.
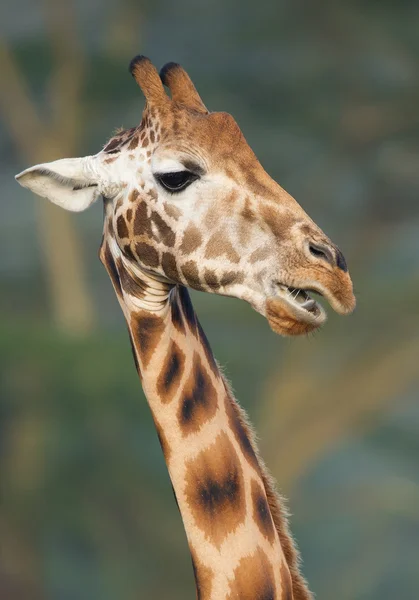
x=321, y=252
x=341, y=262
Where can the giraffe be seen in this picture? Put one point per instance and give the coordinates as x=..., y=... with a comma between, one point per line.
x=187, y=204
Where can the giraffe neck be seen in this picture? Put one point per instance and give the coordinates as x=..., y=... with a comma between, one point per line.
x=236, y=533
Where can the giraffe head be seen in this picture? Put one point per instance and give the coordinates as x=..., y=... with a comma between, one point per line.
x=187, y=201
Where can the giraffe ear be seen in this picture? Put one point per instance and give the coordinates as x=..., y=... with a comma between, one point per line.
x=67, y=182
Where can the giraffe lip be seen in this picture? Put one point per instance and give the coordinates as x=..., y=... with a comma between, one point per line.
x=301, y=304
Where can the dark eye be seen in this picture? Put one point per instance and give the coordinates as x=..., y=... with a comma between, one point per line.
x=177, y=181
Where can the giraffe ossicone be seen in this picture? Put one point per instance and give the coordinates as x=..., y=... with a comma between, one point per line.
x=187, y=204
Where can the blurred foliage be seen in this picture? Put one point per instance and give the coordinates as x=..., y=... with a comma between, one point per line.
x=326, y=94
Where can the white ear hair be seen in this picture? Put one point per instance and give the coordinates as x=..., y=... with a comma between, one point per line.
x=70, y=182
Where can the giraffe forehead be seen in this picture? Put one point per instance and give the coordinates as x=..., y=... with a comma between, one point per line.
x=166, y=163
x=213, y=136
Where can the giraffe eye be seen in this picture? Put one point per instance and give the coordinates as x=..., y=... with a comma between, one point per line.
x=176, y=181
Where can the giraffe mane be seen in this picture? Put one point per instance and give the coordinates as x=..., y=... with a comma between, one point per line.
x=276, y=502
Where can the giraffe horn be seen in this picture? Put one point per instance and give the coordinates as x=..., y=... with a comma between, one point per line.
x=147, y=77
x=181, y=87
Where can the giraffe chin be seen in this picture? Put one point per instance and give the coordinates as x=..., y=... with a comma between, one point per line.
x=288, y=319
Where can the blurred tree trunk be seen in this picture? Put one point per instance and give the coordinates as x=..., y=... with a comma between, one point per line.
x=44, y=140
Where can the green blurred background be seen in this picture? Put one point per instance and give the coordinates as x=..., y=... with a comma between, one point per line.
x=327, y=94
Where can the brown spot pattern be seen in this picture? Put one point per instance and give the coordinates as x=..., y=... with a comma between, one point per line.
x=163, y=440
x=257, y=180
x=141, y=221
x=219, y=245
x=168, y=264
x=215, y=490
x=128, y=283
x=172, y=211
x=171, y=374
x=147, y=254
x=211, y=279
x=240, y=428
x=261, y=512
x=247, y=213
x=278, y=222
x=232, y=197
x=152, y=194
x=166, y=233
x=260, y=254
x=199, y=399
x=253, y=579
x=133, y=143
x=121, y=227
x=128, y=251
x=187, y=308
x=207, y=349
x=203, y=577
x=134, y=354
x=109, y=263
x=192, y=239
x=177, y=318
x=286, y=583
x=133, y=195
x=146, y=330
x=231, y=277
x=191, y=274
x=113, y=145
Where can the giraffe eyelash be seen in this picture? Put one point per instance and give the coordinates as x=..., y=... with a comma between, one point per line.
x=176, y=181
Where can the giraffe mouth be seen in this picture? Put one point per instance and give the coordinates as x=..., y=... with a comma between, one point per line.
x=292, y=310
x=301, y=302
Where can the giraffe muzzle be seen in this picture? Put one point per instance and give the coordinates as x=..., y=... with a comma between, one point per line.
x=293, y=311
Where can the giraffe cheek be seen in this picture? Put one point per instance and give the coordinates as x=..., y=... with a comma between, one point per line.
x=191, y=240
